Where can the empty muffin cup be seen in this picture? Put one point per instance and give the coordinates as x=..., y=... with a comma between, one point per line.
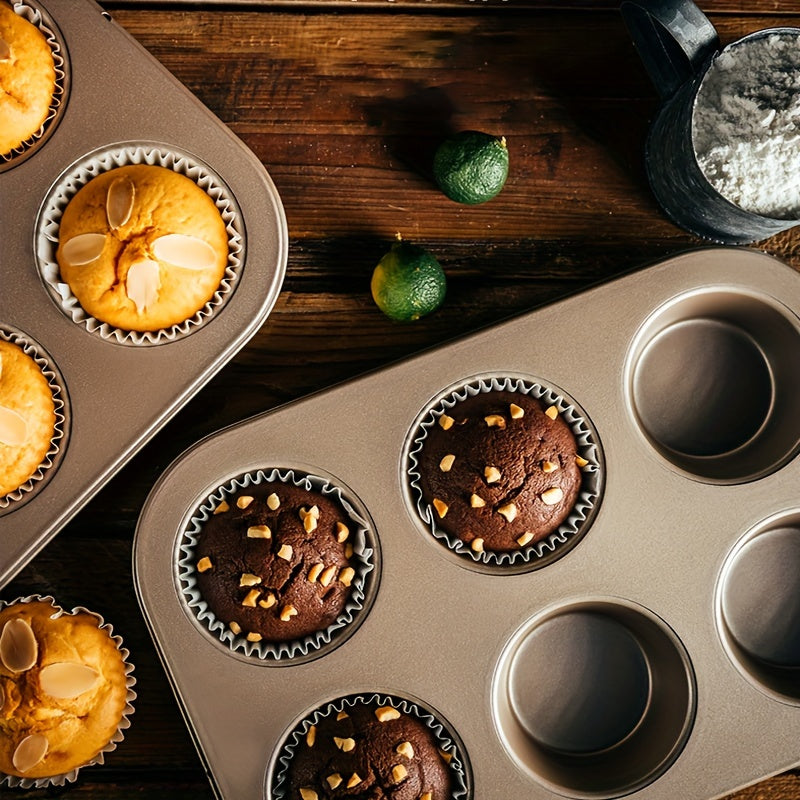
x=594, y=698
x=712, y=378
x=758, y=606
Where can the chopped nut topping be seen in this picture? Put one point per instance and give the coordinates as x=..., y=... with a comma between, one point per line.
x=549, y=466
x=286, y=552
x=222, y=508
x=244, y=501
x=492, y=474
x=426, y=796
x=327, y=575
x=354, y=780
x=551, y=412
x=204, y=564
x=345, y=745
x=235, y=627
x=342, y=532
x=346, y=576
x=399, y=773
x=405, y=749
x=248, y=579
x=309, y=521
x=386, y=713
x=287, y=612
x=441, y=508
x=267, y=601
x=308, y=794
x=476, y=502
x=495, y=421
x=342, y=715
x=446, y=464
x=526, y=538
x=273, y=502
x=254, y=637
x=251, y=598
x=314, y=572
x=552, y=496
x=509, y=511
x=445, y=422
x=259, y=532
x=476, y=545
x=348, y=550
x=446, y=757
x=311, y=735
x=516, y=411
x=580, y=461
x=334, y=780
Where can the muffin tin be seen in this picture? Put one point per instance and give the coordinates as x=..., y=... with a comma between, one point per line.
x=117, y=99
x=658, y=657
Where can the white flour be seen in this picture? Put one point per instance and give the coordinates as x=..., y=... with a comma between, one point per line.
x=746, y=125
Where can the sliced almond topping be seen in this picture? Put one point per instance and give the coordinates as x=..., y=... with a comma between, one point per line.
x=327, y=575
x=354, y=780
x=345, y=745
x=243, y=501
x=476, y=502
x=386, y=713
x=342, y=532
x=5, y=50
x=492, y=474
x=83, y=249
x=287, y=612
x=311, y=735
x=346, y=576
x=235, y=627
x=222, y=508
x=1, y=366
x=399, y=773
x=551, y=412
x=259, y=532
x=441, y=507
x=286, y=552
x=445, y=422
x=273, y=502
x=405, y=749
x=267, y=601
x=476, y=545
x=253, y=637
x=142, y=283
x=509, y=511
x=334, y=780
x=2, y=697
x=580, y=461
x=204, y=564
x=446, y=464
x=119, y=201
x=30, y=751
x=526, y=538
x=314, y=572
x=67, y=679
x=516, y=411
x=552, y=496
x=251, y=598
x=13, y=428
x=549, y=466
x=495, y=421
x=308, y=794
x=184, y=251
x=18, y=646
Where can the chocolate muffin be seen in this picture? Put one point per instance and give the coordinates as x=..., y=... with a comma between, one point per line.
x=273, y=561
x=369, y=752
x=500, y=471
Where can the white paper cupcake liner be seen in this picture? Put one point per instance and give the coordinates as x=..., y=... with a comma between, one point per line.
x=447, y=740
x=579, y=519
x=363, y=561
x=130, y=681
x=120, y=155
x=58, y=442
x=37, y=16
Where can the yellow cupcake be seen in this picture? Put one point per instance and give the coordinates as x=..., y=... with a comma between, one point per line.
x=27, y=417
x=27, y=79
x=63, y=689
x=142, y=247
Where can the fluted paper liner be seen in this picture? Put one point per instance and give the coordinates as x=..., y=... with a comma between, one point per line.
x=447, y=741
x=120, y=155
x=362, y=561
x=61, y=407
x=130, y=681
x=589, y=496
x=32, y=12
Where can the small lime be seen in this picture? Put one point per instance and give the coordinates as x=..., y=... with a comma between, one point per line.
x=471, y=167
x=408, y=282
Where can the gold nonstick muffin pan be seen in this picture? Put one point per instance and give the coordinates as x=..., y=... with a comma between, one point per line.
x=658, y=656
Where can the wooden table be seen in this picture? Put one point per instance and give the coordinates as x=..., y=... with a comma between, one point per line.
x=344, y=103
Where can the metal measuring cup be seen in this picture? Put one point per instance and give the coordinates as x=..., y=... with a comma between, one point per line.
x=677, y=44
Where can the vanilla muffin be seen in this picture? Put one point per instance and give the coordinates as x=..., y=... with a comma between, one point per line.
x=27, y=417
x=27, y=79
x=63, y=689
x=142, y=247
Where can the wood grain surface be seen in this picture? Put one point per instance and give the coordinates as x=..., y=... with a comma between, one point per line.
x=344, y=103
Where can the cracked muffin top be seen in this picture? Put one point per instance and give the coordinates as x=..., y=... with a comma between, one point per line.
x=273, y=561
x=500, y=471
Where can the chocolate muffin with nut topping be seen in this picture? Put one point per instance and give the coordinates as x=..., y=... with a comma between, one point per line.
x=369, y=752
x=273, y=561
x=500, y=471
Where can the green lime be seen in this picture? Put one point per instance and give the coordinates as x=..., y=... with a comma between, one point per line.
x=408, y=282
x=471, y=167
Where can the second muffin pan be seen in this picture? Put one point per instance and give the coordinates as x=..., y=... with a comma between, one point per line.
x=117, y=104
x=656, y=657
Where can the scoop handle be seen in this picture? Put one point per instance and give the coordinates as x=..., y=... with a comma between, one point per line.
x=674, y=39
